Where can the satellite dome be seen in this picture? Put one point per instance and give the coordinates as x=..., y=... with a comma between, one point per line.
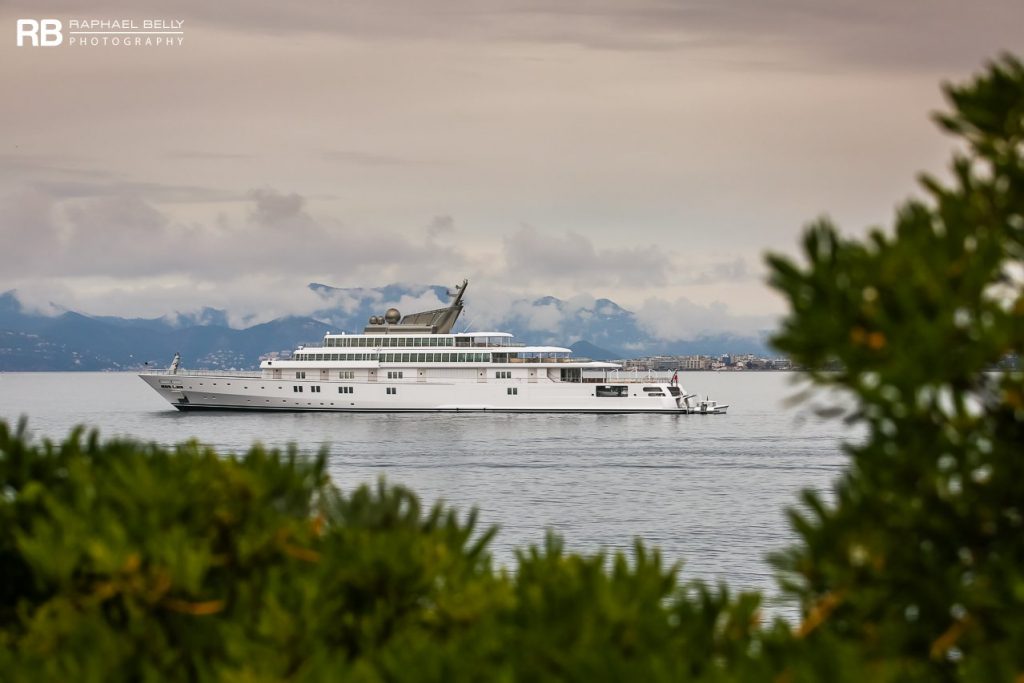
x=392, y=316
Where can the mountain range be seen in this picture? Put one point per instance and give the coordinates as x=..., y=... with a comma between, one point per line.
x=75, y=341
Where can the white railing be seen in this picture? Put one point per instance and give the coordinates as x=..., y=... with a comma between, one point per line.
x=255, y=374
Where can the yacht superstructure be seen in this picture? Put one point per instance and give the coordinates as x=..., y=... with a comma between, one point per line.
x=416, y=363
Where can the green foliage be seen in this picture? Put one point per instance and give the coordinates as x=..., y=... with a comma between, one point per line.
x=126, y=561
x=919, y=563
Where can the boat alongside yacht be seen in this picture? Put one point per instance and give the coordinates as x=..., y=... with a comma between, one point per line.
x=415, y=363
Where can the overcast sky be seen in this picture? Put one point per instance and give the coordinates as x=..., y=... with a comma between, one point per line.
x=645, y=151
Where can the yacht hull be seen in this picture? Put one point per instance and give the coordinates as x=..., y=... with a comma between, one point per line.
x=213, y=392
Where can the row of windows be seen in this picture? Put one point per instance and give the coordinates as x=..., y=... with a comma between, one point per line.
x=513, y=391
x=391, y=390
x=336, y=356
x=391, y=341
x=400, y=357
x=435, y=357
x=503, y=374
x=315, y=389
x=342, y=374
x=395, y=374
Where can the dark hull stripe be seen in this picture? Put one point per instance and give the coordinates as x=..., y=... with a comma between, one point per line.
x=311, y=409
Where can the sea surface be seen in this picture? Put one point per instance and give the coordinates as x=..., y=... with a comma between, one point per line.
x=709, y=490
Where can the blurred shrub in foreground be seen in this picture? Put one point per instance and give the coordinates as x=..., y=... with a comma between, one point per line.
x=919, y=562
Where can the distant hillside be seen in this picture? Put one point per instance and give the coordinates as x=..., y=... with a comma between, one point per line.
x=74, y=341
x=585, y=349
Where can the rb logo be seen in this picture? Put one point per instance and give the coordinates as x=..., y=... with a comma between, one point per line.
x=40, y=33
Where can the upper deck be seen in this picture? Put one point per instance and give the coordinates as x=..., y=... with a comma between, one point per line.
x=425, y=339
x=408, y=340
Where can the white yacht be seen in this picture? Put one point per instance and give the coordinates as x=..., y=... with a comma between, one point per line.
x=416, y=363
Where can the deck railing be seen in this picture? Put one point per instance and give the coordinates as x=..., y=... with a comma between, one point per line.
x=254, y=374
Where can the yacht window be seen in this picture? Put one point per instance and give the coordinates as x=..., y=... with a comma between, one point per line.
x=611, y=390
x=571, y=375
x=392, y=390
x=346, y=374
x=300, y=375
x=513, y=391
x=675, y=391
x=315, y=389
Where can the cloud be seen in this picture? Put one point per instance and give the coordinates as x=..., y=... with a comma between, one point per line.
x=276, y=210
x=197, y=155
x=115, y=232
x=359, y=158
x=911, y=33
x=735, y=270
x=539, y=318
x=571, y=257
x=440, y=226
x=117, y=253
x=683, y=320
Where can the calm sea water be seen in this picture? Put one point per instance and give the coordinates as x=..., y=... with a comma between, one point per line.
x=710, y=491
